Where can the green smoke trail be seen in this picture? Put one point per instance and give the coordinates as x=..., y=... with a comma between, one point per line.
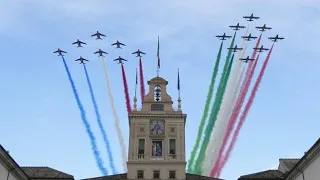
x=215, y=109
x=206, y=111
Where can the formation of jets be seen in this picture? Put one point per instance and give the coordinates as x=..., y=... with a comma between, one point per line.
x=81, y=59
x=248, y=38
x=237, y=27
x=246, y=60
x=138, y=52
x=276, y=38
x=78, y=42
x=98, y=35
x=100, y=52
x=235, y=48
x=251, y=17
x=263, y=28
x=120, y=59
x=118, y=44
x=223, y=37
x=261, y=49
x=59, y=51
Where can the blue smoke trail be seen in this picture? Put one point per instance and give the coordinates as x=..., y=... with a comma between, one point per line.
x=86, y=123
x=103, y=132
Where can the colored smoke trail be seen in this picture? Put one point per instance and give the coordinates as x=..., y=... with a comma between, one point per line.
x=232, y=89
x=215, y=108
x=126, y=91
x=102, y=130
x=94, y=147
x=216, y=170
x=246, y=110
x=142, y=89
x=116, y=117
x=206, y=110
x=237, y=106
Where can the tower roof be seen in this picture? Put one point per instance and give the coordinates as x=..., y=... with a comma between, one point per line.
x=158, y=80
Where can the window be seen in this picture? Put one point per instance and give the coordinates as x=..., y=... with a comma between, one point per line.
x=157, y=107
x=172, y=146
x=157, y=93
x=140, y=174
x=156, y=148
x=141, y=148
x=156, y=174
x=172, y=174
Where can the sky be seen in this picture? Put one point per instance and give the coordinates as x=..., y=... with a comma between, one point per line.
x=40, y=121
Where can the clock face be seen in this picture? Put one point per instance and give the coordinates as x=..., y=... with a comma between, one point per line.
x=157, y=127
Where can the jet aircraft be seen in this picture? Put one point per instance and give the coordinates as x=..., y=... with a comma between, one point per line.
x=235, y=48
x=100, y=52
x=118, y=44
x=251, y=17
x=263, y=28
x=139, y=53
x=120, y=59
x=248, y=38
x=246, y=59
x=78, y=42
x=276, y=38
x=261, y=49
x=223, y=37
x=59, y=51
x=98, y=35
x=237, y=27
x=81, y=59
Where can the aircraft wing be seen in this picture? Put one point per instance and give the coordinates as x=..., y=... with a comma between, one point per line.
x=83, y=42
x=75, y=43
x=63, y=51
x=102, y=35
x=113, y=44
x=135, y=52
x=122, y=44
x=142, y=53
x=94, y=34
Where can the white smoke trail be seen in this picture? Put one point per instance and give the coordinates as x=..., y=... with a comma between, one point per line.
x=116, y=118
x=232, y=89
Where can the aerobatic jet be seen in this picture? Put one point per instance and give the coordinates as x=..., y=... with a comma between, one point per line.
x=98, y=35
x=118, y=44
x=251, y=17
x=100, y=52
x=223, y=37
x=120, y=59
x=81, y=59
x=59, y=51
x=139, y=53
x=261, y=49
x=248, y=38
x=237, y=27
x=263, y=28
x=276, y=38
x=78, y=42
x=246, y=59
x=235, y=48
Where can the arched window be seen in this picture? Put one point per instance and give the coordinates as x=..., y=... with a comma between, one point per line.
x=157, y=93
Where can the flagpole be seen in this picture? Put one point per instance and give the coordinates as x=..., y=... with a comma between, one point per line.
x=135, y=92
x=179, y=98
x=158, y=55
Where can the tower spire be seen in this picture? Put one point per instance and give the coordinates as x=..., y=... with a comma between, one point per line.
x=158, y=55
x=135, y=93
x=179, y=98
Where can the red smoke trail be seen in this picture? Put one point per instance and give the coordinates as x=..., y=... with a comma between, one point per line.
x=126, y=92
x=237, y=108
x=246, y=110
x=142, y=90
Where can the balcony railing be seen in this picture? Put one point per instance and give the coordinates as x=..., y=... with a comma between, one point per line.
x=163, y=157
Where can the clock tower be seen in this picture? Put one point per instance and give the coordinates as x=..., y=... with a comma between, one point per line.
x=157, y=136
